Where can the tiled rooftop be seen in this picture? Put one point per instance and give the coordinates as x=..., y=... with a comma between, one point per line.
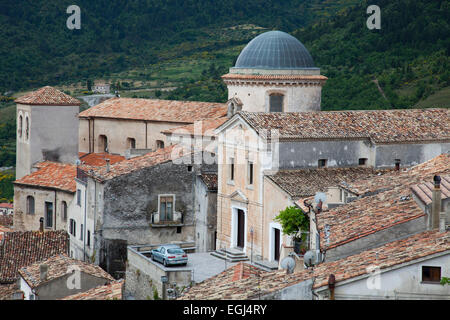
x=424, y=191
x=48, y=96
x=380, y=126
x=111, y=291
x=210, y=180
x=6, y=221
x=306, y=182
x=99, y=159
x=127, y=166
x=8, y=290
x=385, y=201
x=20, y=249
x=54, y=175
x=224, y=286
x=406, y=176
x=59, y=266
x=204, y=127
x=6, y=205
x=3, y=230
x=156, y=110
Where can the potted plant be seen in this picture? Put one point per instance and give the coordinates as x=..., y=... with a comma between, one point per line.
x=295, y=223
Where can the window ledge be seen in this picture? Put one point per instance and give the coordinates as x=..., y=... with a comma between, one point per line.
x=230, y=182
x=430, y=282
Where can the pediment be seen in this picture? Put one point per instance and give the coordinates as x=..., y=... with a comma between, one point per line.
x=239, y=196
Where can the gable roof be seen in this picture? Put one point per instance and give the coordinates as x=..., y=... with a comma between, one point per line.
x=156, y=110
x=259, y=284
x=48, y=96
x=99, y=159
x=53, y=175
x=380, y=126
x=424, y=191
x=22, y=248
x=150, y=159
x=384, y=201
x=306, y=182
x=59, y=266
x=111, y=291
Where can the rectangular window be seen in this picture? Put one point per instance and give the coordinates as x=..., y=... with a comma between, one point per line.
x=88, y=238
x=49, y=214
x=431, y=274
x=73, y=227
x=231, y=169
x=81, y=232
x=166, y=208
x=276, y=102
x=322, y=163
x=79, y=197
x=362, y=161
x=250, y=172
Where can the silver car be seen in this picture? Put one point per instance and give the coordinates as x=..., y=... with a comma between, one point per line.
x=169, y=255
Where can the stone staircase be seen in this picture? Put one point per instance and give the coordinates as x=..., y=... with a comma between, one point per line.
x=230, y=255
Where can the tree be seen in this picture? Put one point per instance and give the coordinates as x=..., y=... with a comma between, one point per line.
x=89, y=84
x=293, y=220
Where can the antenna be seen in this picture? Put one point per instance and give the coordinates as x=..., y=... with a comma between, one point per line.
x=320, y=197
x=288, y=263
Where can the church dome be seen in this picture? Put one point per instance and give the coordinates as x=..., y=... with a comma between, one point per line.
x=274, y=50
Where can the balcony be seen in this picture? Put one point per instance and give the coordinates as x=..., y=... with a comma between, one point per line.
x=176, y=221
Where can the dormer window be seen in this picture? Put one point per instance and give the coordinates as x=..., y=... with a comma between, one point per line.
x=276, y=102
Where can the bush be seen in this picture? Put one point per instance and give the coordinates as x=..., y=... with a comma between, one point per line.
x=293, y=220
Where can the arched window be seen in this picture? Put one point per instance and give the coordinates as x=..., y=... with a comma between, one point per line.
x=276, y=102
x=30, y=205
x=19, y=129
x=131, y=143
x=27, y=128
x=102, y=143
x=64, y=210
x=159, y=144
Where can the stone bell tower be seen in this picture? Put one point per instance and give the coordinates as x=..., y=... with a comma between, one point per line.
x=47, y=129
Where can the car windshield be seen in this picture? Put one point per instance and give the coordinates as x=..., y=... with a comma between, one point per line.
x=175, y=251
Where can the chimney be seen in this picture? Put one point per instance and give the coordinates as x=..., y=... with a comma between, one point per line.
x=331, y=284
x=107, y=165
x=397, y=164
x=436, y=203
x=41, y=225
x=43, y=271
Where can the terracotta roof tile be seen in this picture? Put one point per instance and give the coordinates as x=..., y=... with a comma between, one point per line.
x=424, y=191
x=59, y=266
x=48, y=96
x=3, y=230
x=20, y=249
x=210, y=180
x=6, y=221
x=166, y=154
x=156, y=110
x=8, y=290
x=380, y=126
x=111, y=291
x=227, y=286
x=201, y=127
x=99, y=159
x=384, y=201
x=6, y=205
x=236, y=76
x=306, y=182
x=54, y=175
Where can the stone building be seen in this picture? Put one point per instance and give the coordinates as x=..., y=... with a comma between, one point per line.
x=150, y=199
x=47, y=129
x=120, y=124
x=252, y=145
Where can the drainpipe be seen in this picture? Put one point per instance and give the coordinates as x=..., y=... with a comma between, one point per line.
x=436, y=202
x=54, y=225
x=331, y=285
x=85, y=227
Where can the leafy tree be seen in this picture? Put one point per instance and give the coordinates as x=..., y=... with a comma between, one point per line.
x=293, y=220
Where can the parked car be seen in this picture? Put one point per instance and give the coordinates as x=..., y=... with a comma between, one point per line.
x=169, y=255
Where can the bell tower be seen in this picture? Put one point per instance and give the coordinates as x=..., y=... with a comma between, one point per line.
x=47, y=129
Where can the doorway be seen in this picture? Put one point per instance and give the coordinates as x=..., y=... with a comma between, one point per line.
x=276, y=244
x=240, y=229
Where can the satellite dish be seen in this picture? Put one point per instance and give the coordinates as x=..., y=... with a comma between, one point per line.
x=288, y=263
x=309, y=258
x=78, y=162
x=320, y=196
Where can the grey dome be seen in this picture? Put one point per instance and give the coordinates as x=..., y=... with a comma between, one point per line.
x=275, y=50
